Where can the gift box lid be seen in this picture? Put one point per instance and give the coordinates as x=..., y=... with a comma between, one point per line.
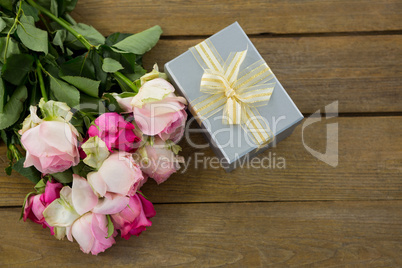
x=229, y=141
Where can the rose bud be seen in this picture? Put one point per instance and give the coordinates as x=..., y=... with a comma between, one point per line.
x=36, y=204
x=134, y=219
x=116, y=132
x=158, y=159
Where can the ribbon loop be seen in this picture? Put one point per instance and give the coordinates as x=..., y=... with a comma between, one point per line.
x=237, y=93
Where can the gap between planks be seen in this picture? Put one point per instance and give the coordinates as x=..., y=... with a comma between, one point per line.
x=254, y=202
x=291, y=35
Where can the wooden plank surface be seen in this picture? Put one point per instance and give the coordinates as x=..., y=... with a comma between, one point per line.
x=310, y=234
x=307, y=214
x=370, y=161
x=256, y=16
x=364, y=73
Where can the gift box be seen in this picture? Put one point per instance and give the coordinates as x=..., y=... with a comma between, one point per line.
x=240, y=105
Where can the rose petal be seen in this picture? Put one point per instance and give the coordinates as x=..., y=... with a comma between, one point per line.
x=111, y=204
x=60, y=212
x=98, y=184
x=82, y=232
x=83, y=196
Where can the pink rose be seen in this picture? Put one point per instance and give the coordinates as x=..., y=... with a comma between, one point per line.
x=51, y=147
x=36, y=204
x=80, y=214
x=90, y=231
x=175, y=130
x=135, y=217
x=119, y=174
x=51, y=142
x=157, y=110
x=158, y=161
x=116, y=132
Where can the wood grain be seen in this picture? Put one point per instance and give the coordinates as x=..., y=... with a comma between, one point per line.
x=370, y=161
x=256, y=16
x=313, y=234
x=307, y=214
x=363, y=73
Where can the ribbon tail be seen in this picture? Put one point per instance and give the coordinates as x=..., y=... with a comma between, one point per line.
x=232, y=112
x=254, y=124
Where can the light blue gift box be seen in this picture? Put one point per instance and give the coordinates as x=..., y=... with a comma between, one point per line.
x=231, y=143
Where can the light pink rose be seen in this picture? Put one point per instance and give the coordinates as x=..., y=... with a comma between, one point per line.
x=90, y=231
x=80, y=214
x=157, y=110
x=134, y=219
x=36, y=204
x=158, y=161
x=175, y=130
x=116, y=132
x=51, y=146
x=118, y=174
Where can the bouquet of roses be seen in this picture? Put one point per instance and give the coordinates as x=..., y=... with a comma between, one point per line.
x=93, y=124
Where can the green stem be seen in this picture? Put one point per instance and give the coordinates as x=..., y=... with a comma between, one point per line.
x=127, y=81
x=66, y=25
x=62, y=22
x=3, y=96
x=41, y=83
x=15, y=152
x=16, y=21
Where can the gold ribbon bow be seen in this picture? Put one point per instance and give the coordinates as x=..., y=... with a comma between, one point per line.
x=237, y=93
